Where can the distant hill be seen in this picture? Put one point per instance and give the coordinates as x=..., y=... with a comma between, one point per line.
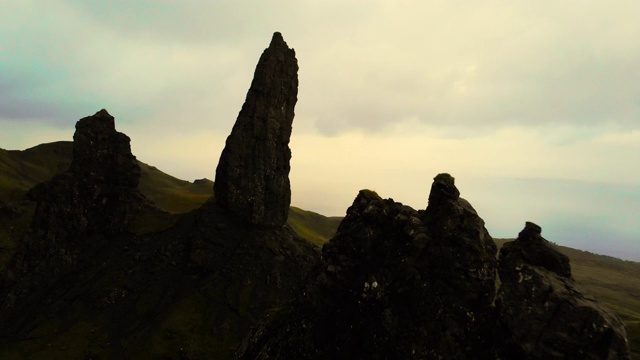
x=613, y=281
x=21, y=170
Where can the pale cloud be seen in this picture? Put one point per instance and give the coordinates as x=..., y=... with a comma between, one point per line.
x=486, y=65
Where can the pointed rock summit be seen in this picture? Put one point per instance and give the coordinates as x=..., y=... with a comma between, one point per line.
x=252, y=177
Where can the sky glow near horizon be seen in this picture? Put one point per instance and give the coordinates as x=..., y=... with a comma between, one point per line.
x=534, y=107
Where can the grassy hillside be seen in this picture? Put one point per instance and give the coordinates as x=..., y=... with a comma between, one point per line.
x=314, y=227
x=172, y=194
x=20, y=170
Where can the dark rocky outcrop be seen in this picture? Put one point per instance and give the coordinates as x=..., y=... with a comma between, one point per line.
x=544, y=314
x=393, y=283
x=97, y=195
x=533, y=249
x=252, y=177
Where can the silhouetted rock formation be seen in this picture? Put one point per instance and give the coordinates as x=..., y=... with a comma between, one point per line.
x=191, y=289
x=544, y=315
x=533, y=249
x=96, y=195
x=252, y=177
x=393, y=283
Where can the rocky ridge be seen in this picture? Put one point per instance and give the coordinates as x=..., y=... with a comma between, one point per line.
x=399, y=283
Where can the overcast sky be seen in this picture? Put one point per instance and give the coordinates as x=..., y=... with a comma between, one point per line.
x=533, y=106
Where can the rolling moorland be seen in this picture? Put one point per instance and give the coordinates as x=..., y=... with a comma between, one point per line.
x=614, y=282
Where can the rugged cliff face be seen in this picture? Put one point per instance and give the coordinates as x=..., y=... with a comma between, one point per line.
x=400, y=283
x=252, y=178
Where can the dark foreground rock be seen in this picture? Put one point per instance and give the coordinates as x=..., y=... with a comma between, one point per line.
x=252, y=177
x=96, y=195
x=395, y=283
x=544, y=314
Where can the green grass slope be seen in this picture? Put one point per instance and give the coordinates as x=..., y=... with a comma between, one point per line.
x=172, y=194
x=316, y=228
x=21, y=170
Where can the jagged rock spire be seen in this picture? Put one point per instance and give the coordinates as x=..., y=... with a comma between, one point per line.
x=252, y=177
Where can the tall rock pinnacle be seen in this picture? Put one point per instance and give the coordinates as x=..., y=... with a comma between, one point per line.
x=252, y=177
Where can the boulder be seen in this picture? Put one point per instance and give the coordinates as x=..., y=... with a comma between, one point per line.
x=544, y=314
x=252, y=177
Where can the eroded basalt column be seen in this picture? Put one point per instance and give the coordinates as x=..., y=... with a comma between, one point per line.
x=252, y=177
